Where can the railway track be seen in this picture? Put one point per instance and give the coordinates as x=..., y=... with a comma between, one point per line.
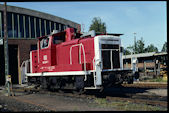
x=116, y=94
x=139, y=99
x=146, y=85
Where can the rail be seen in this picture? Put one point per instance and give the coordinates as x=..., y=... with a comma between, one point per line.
x=80, y=45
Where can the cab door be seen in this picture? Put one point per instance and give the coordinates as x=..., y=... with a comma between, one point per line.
x=44, y=53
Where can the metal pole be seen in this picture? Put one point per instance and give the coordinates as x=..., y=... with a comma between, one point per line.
x=134, y=43
x=6, y=45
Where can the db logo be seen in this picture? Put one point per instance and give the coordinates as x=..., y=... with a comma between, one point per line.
x=44, y=57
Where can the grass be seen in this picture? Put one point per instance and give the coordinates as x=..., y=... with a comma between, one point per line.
x=127, y=105
x=158, y=79
x=149, y=77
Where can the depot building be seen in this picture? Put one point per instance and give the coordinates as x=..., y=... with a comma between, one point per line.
x=24, y=26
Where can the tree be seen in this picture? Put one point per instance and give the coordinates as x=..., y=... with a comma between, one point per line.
x=140, y=46
x=164, y=49
x=151, y=48
x=128, y=50
x=98, y=25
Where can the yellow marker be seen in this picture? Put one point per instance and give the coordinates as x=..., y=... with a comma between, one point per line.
x=9, y=85
x=165, y=77
x=8, y=78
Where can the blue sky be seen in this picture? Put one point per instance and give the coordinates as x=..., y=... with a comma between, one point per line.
x=146, y=19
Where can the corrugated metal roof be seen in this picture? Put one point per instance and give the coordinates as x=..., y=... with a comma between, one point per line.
x=161, y=53
x=144, y=55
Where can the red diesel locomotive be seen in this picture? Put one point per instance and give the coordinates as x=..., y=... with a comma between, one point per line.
x=69, y=60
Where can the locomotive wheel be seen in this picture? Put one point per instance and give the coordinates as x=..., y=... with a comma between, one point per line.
x=44, y=83
x=60, y=91
x=51, y=88
x=78, y=91
x=79, y=85
x=136, y=75
x=29, y=83
x=130, y=80
x=101, y=90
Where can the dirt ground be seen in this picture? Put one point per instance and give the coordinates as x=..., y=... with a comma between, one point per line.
x=45, y=102
x=22, y=102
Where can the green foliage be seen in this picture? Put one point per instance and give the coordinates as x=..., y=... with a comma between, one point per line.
x=126, y=105
x=140, y=48
x=151, y=48
x=164, y=49
x=98, y=25
x=158, y=79
x=128, y=50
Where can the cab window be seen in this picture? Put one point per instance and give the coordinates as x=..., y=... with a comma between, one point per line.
x=44, y=42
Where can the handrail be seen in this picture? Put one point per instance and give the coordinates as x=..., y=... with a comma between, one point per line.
x=94, y=73
x=71, y=51
x=38, y=52
x=84, y=62
x=26, y=64
x=80, y=45
x=93, y=62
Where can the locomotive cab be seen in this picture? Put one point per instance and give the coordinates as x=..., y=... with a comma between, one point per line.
x=47, y=48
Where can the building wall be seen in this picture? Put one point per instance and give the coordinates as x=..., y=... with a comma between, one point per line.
x=25, y=25
x=149, y=62
x=141, y=65
x=24, y=46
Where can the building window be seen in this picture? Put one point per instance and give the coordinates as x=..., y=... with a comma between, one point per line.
x=52, y=26
x=27, y=26
x=9, y=24
x=37, y=27
x=15, y=25
x=62, y=27
x=42, y=27
x=57, y=26
x=47, y=27
x=32, y=27
x=21, y=26
x=0, y=24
